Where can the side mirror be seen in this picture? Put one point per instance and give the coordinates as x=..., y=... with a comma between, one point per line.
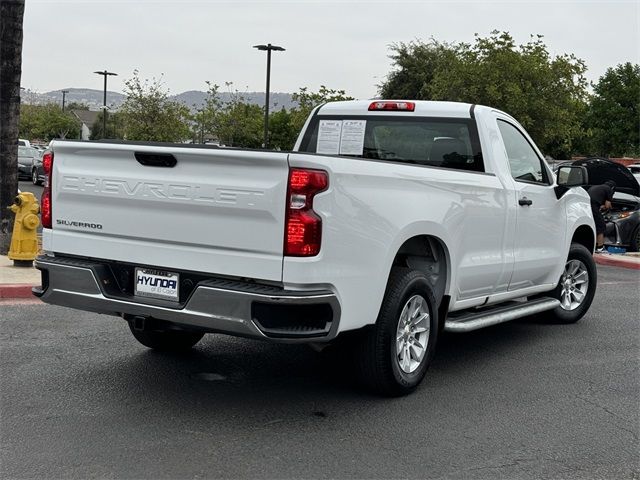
x=569, y=176
x=572, y=176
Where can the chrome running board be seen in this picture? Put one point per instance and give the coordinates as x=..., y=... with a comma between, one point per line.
x=475, y=320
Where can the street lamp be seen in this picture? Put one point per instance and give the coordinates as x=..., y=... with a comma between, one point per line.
x=64, y=94
x=104, y=114
x=268, y=49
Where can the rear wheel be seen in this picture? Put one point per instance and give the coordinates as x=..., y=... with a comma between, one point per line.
x=166, y=340
x=395, y=354
x=34, y=177
x=577, y=286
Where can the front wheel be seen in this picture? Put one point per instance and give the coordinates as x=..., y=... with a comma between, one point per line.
x=577, y=286
x=394, y=355
x=166, y=340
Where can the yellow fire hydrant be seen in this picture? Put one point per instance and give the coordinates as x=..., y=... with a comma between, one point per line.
x=24, y=240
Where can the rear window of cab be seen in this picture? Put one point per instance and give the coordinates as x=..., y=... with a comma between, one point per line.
x=434, y=142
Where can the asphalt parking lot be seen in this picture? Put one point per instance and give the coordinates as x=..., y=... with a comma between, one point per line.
x=82, y=399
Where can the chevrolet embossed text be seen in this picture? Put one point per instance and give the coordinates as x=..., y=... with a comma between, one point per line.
x=168, y=191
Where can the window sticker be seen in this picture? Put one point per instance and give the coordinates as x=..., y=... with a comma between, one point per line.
x=329, y=133
x=352, y=139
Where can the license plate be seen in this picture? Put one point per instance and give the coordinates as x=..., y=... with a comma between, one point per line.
x=157, y=284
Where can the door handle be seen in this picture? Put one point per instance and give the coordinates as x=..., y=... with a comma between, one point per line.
x=525, y=201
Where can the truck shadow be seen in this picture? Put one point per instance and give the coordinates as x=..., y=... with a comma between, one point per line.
x=238, y=385
x=221, y=370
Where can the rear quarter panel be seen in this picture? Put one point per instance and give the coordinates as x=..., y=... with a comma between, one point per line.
x=371, y=208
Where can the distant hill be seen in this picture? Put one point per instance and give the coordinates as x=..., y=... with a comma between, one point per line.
x=196, y=97
x=192, y=98
x=88, y=96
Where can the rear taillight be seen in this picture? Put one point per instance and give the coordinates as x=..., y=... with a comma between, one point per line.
x=303, y=227
x=45, y=202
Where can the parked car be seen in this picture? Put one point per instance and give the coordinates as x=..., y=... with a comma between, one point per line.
x=635, y=170
x=26, y=157
x=24, y=143
x=623, y=220
x=38, y=176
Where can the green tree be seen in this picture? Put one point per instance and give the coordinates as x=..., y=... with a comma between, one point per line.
x=46, y=122
x=613, y=119
x=11, y=19
x=76, y=106
x=240, y=124
x=308, y=100
x=149, y=115
x=282, y=131
x=30, y=119
x=115, y=126
x=416, y=64
x=207, y=116
x=547, y=94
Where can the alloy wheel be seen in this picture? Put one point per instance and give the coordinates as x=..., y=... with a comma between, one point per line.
x=412, y=334
x=575, y=284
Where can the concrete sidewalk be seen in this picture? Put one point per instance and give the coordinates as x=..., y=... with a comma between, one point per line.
x=16, y=282
x=624, y=260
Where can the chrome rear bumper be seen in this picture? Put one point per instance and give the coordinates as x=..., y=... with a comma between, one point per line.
x=214, y=305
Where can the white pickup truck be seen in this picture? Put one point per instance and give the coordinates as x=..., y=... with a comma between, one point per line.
x=393, y=220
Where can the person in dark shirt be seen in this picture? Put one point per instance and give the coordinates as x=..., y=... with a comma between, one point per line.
x=601, y=196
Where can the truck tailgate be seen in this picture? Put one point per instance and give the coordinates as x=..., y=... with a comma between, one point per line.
x=217, y=210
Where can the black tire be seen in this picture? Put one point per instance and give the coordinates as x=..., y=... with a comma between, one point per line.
x=566, y=315
x=166, y=340
x=378, y=362
x=34, y=177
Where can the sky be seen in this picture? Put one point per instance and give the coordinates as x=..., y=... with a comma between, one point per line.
x=339, y=44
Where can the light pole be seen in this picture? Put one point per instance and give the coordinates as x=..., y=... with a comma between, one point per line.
x=64, y=94
x=104, y=112
x=268, y=49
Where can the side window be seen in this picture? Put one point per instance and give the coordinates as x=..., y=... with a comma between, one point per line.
x=525, y=164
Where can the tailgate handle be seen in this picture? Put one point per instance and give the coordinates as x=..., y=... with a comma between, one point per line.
x=156, y=159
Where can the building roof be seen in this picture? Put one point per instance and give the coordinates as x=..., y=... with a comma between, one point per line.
x=88, y=117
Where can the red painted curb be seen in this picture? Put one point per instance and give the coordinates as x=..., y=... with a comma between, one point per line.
x=20, y=290
x=616, y=262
